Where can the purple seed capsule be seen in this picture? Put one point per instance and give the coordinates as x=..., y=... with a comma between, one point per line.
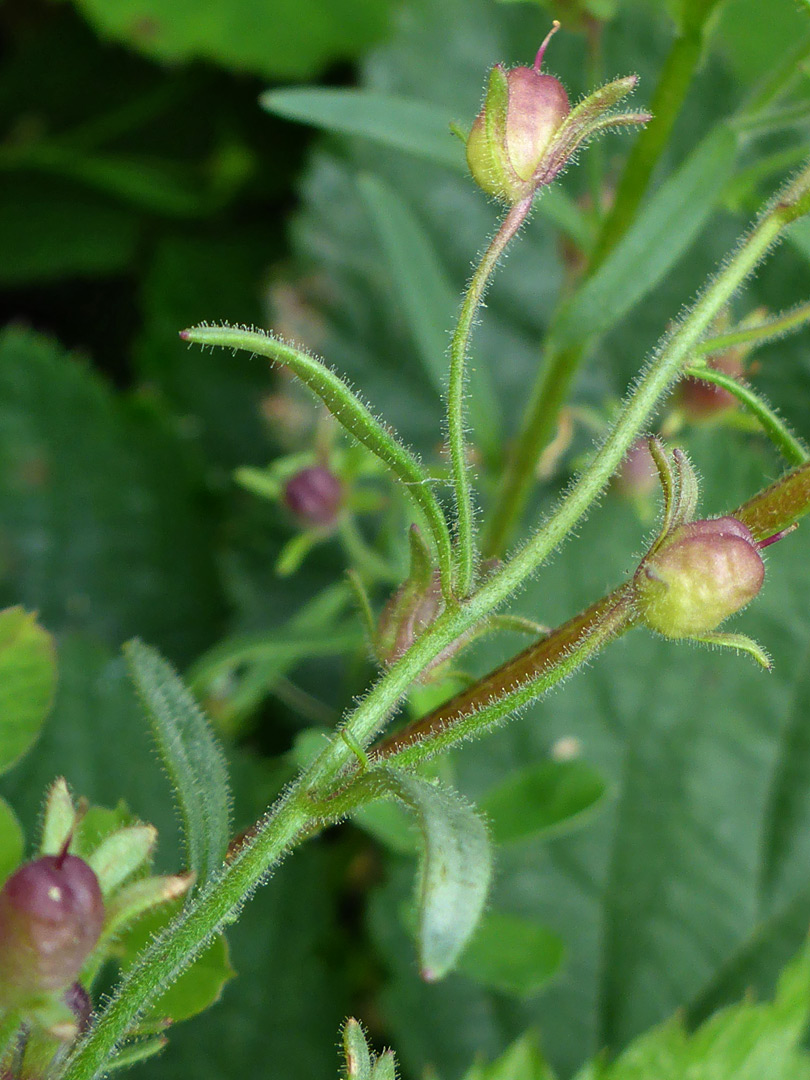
x=51, y=915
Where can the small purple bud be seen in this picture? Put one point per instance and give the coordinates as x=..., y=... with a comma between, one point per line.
x=701, y=400
x=314, y=496
x=51, y=915
x=703, y=572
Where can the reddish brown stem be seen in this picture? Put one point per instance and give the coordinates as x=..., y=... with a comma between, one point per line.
x=607, y=618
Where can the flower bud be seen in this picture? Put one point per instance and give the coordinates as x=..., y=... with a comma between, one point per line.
x=700, y=399
x=314, y=496
x=51, y=915
x=506, y=147
x=637, y=476
x=703, y=572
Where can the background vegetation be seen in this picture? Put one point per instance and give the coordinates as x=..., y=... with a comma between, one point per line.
x=143, y=189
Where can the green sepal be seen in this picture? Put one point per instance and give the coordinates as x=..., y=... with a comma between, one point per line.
x=121, y=853
x=739, y=642
x=59, y=819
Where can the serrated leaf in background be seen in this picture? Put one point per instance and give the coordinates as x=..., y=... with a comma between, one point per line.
x=103, y=525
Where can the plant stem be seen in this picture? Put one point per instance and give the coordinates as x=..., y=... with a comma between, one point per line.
x=549, y=392
x=768, y=330
x=665, y=106
x=773, y=426
x=520, y=680
x=465, y=547
x=349, y=411
x=220, y=901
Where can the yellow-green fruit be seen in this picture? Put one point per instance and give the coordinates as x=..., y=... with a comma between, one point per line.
x=702, y=573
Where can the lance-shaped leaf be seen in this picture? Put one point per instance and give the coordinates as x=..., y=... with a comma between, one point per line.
x=191, y=756
x=119, y=855
x=27, y=680
x=455, y=869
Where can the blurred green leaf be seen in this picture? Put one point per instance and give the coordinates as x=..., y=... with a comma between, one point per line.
x=408, y=124
x=27, y=681
x=50, y=229
x=522, y=1061
x=192, y=758
x=512, y=955
x=664, y=228
x=199, y=986
x=282, y=1012
x=743, y=1042
x=290, y=38
x=12, y=842
x=454, y=873
x=429, y=302
x=542, y=800
x=102, y=523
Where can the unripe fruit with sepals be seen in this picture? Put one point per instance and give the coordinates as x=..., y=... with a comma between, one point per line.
x=51, y=915
x=314, y=495
x=701, y=574
x=523, y=111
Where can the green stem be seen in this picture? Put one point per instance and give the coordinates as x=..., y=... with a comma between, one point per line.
x=773, y=426
x=465, y=546
x=549, y=392
x=220, y=902
x=673, y=85
x=562, y=361
x=768, y=330
x=352, y=414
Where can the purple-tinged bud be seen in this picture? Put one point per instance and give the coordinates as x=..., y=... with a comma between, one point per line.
x=701, y=400
x=51, y=915
x=314, y=495
x=637, y=475
x=703, y=572
x=523, y=111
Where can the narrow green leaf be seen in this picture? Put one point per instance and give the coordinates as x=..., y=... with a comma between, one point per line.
x=455, y=870
x=355, y=1047
x=663, y=230
x=27, y=682
x=191, y=756
x=416, y=127
x=429, y=301
x=413, y=126
x=11, y=841
x=545, y=799
x=513, y=955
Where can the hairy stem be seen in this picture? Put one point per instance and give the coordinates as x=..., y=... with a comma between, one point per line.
x=219, y=902
x=786, y=322
x=521, y=679
x=349, y=411
x=459, y=347
x=774, y=427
